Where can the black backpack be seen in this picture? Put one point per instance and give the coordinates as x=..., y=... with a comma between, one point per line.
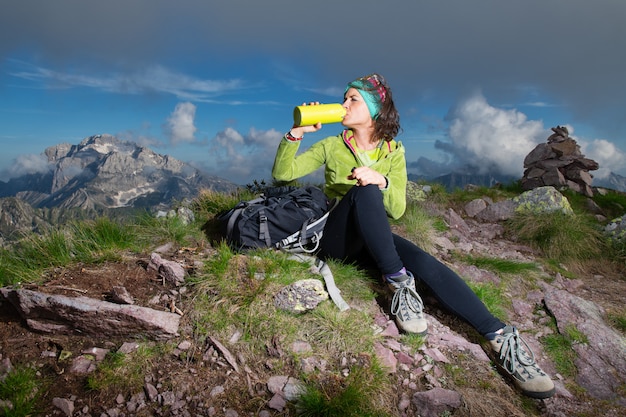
x=287, y=218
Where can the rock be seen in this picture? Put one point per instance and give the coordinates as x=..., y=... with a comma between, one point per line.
x=601, y=361
x=128, y=347
x=301, y=296
x=277, y=402
x=225, y=352
x=293, y=389
x=542, y=200
x=456, y=222
x=82, y=315
x=287, y=387
x=82, y=365
x=616, y=229
x=120, y=295
x=559, y=163
x=275, y=384
x=475, y=206
x=151, y=392
x=65, y=405
x=172, y=272
x=218, y=390
x=436, y=402
x=300, y=346
x=386, y=357
x=496, y=212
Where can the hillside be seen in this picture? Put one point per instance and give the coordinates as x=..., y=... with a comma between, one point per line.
x=251, y=366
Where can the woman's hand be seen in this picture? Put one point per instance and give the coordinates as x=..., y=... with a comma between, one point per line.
x=299, y=131
x=366, y=175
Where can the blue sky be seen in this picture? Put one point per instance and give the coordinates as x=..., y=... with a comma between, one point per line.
x=213, y=83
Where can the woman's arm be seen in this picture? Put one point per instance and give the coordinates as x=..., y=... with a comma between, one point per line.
x=288, y=166
x=394, y=196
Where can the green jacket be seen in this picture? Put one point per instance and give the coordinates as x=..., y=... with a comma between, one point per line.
x=339, y=158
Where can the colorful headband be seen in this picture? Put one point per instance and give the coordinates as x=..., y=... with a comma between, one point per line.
x=373, y=92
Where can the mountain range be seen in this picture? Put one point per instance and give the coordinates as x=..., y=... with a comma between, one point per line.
x=456, y=180
x=103, y=172
x=100, y=175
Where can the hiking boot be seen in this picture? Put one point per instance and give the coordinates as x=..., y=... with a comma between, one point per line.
x=406, y=304
x=515, y=358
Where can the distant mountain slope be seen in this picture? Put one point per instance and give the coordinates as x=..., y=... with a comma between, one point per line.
x=612, y=181
x=104, y=172
x=456, y=180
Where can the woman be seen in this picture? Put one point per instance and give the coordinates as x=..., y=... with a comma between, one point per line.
x=366, y=169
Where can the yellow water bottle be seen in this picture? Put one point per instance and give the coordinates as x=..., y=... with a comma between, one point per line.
x=319, y=113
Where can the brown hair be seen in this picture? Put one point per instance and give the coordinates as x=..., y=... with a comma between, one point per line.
x=387, y=121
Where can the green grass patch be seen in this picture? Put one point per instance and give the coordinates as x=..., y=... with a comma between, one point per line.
x=236, y=293
x=618, y=320
x=19, y=390
x=90, y=242
x=148, y=230
x=419, y=226
x=559, y=347
x=502, y=266
x=492, y=297
x=100, y=240
x=365, y=392
x=559, y=236
x=413, y=341
x=124, y=372
x=30, y=256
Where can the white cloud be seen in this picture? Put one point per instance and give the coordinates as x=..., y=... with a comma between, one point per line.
x=155, y=78
x=28, y=164
x=606, y=154
x=489, y=139
x=180, y=124
x=243, y=157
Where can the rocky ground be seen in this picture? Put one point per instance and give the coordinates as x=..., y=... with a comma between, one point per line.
x=210, y=380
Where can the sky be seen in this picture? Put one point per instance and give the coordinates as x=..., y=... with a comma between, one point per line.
x=478, y=83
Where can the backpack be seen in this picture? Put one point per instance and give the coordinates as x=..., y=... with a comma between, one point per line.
x=287, y=218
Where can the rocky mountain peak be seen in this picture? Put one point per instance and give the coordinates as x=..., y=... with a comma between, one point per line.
x=104, y=172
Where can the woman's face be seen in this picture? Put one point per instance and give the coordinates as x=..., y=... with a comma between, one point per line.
x=357, y=113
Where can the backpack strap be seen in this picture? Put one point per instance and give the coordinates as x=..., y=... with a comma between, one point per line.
x=321, y=267
x=264, y=231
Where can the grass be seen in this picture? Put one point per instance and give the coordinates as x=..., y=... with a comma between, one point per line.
x=357, y=395
x=419, y=226
x=235, y=293
x=567, y=238
x=89, y=242
x=618, y=320
x=493, y=193
x=612, y=203
x=124, y=372
x=20, y=388
x=559, y=347
x=502, y=266
x=493, y=298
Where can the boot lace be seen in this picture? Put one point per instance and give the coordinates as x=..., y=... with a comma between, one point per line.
x=515, y=352
x=406, y=301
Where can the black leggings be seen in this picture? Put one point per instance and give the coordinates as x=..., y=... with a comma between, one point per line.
x=358, y=231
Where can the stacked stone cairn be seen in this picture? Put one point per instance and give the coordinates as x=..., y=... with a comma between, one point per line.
x=559, y=163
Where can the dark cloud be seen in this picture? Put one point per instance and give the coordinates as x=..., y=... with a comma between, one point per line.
x=570, y=49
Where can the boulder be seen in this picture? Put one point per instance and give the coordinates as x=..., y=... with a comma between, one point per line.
x=51, y=313
x=601, y=357
x=559, y=163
